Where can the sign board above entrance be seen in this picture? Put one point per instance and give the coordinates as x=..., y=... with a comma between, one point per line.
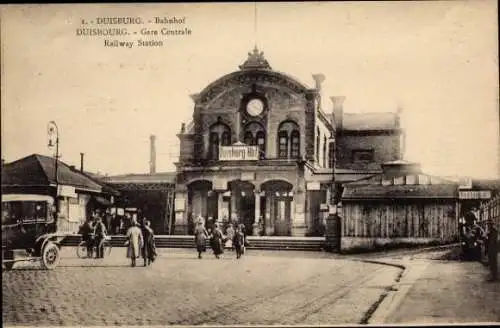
x=67, y=191
x=220, y=184
x=476, y=194
x=313, y=186
x=239, y=153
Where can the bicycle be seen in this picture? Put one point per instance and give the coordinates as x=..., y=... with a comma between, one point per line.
x=81, y=250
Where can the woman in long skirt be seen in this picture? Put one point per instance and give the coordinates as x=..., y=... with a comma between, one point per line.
x=217, y=241
x=149, y=248
x=134, y=241
x=200, y=238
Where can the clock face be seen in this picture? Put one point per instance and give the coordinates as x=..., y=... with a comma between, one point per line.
x=255, y=107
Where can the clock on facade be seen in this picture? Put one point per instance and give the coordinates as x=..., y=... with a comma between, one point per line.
x=255, y=107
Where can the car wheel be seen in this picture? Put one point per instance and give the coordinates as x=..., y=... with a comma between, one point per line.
x=50, y=256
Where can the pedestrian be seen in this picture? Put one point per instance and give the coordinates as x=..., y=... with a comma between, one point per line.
x=239, y=242
x=99, y=235
x=245, y=242
x=109, y=219
x=134, y=242
x=149, y=247
x=216, y=241
x=492, y=250
x=229, y=236
x=200, y=237
x=86, y=232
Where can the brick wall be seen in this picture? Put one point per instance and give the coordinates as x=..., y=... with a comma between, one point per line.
x=386, y=147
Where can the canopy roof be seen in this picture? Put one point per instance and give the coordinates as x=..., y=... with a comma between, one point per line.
x=39, y=170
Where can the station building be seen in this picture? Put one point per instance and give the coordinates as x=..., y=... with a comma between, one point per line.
x=261, y=150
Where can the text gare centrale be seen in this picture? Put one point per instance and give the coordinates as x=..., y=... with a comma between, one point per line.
x=124, y=31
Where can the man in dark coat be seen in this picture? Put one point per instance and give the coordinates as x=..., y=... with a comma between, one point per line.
x=492, y=250
x=86, y=231
x=149, y=247
x=239, y=242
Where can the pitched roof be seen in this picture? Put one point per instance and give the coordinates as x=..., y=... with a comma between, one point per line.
x=39, y=170
x=381, y=186
x=165, y=177
x=370, y=192
x=369, y=121
x=99, y=178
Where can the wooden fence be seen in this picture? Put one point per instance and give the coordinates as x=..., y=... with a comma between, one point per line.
x=423, y=219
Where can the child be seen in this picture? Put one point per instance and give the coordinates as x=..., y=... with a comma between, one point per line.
x=239, y=242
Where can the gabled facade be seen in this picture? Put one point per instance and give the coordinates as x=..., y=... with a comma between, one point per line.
x=257, y=152
x=260, y=150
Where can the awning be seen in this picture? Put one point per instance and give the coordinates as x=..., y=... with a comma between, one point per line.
x=102, y=201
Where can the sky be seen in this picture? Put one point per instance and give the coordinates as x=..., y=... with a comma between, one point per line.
x=438, y=61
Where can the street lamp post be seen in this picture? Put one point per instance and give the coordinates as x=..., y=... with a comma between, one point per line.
x=53, y=131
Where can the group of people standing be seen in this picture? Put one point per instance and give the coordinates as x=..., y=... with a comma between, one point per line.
x=475, y=240
x=140, y=238
x=233, y=239
x=141, y=242
x=93, y=232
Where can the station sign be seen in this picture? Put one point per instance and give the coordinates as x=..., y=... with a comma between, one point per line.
x=474, y=194
x=239, y=153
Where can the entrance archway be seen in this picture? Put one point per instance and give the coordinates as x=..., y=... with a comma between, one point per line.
x=277, y=200
x=202, y=201
x=242, y=204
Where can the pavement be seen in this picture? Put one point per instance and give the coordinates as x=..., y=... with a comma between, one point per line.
x=262, y=288
x=437, y=288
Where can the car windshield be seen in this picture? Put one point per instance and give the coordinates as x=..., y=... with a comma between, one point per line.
x=25, y=211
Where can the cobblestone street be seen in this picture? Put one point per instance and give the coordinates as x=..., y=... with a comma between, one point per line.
x=261, y=288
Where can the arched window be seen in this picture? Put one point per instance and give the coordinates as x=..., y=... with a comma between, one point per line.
x=331, y=155
x=255, y=135
x=324, y=151
x=248, y=138
x=288, y=140
x=261, y=143
x=226, y=138
x=214, y=145
x=220, y=135
x=282, y=144
x=295, y=142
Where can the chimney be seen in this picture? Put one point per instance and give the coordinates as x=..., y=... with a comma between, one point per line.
x=183, y=128
x=338, y=110
x=81, y=162
x=318, y=79
x=152, y=154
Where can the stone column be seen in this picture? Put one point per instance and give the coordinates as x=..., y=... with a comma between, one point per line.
x=256, y=225
x=299, y=219
x=220, y=204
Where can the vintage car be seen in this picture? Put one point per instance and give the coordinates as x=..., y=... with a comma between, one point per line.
x=29, y=227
